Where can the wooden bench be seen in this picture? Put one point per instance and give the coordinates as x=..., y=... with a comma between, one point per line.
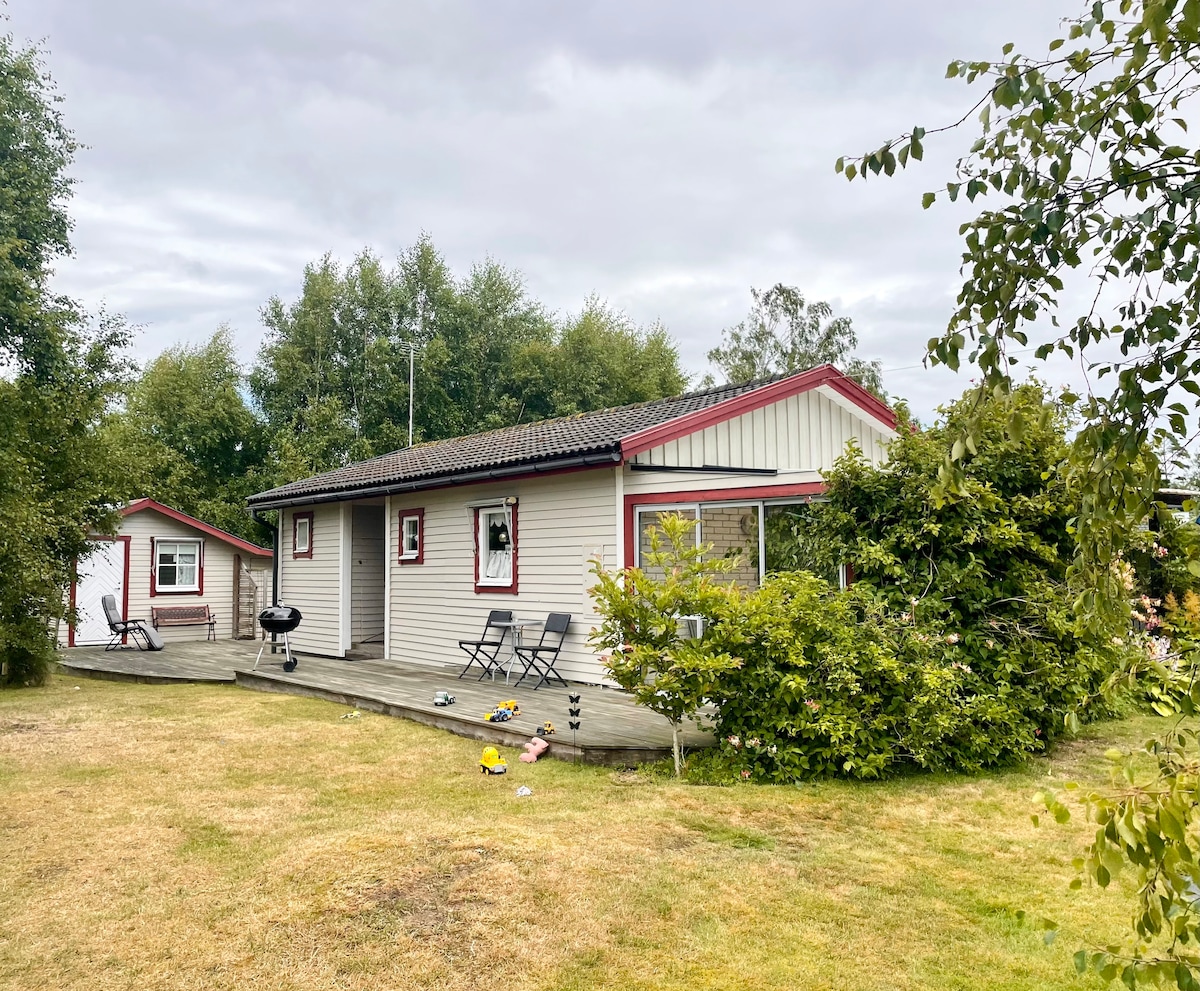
x=161, y=616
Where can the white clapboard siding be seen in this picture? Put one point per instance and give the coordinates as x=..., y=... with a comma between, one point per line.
x=366, y=574
x=803, y=433
x=218, y=557
x=314, y=585
x=562, y=522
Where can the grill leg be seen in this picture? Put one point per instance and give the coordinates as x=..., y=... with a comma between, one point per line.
x=259, y=657
x=289, y=664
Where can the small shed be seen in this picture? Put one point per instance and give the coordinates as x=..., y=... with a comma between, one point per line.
x=160, y=558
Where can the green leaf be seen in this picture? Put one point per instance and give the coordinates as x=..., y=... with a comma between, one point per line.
x=927, y=200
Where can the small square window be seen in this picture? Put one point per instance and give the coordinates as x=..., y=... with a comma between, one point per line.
x=302, y=525
x=412, y=538
x=177, y=566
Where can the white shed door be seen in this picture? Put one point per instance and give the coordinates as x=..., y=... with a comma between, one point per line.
x=101, y=573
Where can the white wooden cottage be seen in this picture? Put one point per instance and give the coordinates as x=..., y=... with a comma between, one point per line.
x=412, y=549
x=160, y=559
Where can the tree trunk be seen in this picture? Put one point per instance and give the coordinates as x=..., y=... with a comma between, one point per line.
x=676, y=751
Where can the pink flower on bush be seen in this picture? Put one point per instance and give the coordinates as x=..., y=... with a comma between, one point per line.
x=812, y=704
x=745, y=775
x=754, y=741
x=952, y=638
x=735, y=741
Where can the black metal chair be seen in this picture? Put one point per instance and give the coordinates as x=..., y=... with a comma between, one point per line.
x=541, y=657
x=144, y=637
x=485, y=651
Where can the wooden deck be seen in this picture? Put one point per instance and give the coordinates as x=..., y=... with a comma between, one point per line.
x=613, y=729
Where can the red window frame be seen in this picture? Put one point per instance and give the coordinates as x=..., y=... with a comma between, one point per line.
x=490, y=588
x=296, y=518
x=155, y=591
x=419, y=557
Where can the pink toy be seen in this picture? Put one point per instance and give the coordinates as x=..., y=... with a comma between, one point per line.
x=534, y=749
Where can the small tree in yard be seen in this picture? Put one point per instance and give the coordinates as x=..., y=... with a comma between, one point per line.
x=648, y=655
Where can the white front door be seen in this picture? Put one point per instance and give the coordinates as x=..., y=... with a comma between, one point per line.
x=101, y=573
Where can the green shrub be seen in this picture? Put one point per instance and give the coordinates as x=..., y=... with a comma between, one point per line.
x=833, y=683
x=956, y=648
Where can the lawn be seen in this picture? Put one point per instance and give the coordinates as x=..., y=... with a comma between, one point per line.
x=209, y=838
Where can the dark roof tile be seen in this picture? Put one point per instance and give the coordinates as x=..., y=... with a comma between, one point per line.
x=527, y=443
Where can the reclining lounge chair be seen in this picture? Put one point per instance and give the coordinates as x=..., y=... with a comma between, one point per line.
x=144, y=636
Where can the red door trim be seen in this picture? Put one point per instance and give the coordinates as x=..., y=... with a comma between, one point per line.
x=127, y=541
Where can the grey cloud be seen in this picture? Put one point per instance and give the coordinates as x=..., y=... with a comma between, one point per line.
x=666, y=156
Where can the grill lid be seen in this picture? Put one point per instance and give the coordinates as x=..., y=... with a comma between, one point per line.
x=279, y=619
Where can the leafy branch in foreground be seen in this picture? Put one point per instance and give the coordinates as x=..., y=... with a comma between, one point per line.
x=1087, y=149
x=1146, y=825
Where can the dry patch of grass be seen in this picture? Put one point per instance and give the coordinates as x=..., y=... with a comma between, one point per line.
x=210, y=838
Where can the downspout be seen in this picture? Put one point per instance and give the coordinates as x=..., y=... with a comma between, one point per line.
x=276, y=543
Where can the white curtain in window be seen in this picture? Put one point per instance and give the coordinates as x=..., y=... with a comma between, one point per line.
x=496, y=536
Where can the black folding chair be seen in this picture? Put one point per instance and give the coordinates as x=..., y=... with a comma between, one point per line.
x=541, y=657
x=485, y=651
x=144, y=637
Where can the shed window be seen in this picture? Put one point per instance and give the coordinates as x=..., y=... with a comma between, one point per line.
x=177, y=565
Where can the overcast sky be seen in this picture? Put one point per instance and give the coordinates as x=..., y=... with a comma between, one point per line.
x=665, y=156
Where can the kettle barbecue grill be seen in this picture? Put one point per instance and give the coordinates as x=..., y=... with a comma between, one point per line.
x=279, y=619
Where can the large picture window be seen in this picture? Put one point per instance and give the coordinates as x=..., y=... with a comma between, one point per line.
x=177, y=566
x=496, y=549
x=760, y=536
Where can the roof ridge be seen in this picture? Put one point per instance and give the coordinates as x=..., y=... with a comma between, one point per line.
x=550, y=420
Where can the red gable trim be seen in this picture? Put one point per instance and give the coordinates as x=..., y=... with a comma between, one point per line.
x=825, y=375
x=140, y=505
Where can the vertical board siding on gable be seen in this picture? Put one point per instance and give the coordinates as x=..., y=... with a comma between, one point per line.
x=313, y=585
x=147, y=525
x=366, y=575
x=562, y=520
x=806, y=433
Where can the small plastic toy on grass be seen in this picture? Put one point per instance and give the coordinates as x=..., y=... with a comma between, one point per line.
x=546, y=729
x=491, y=762
x=534, y=749
x=443, y=698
